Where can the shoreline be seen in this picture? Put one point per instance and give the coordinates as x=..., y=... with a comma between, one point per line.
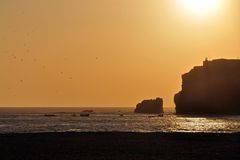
x=120, y=132
x=119, y=145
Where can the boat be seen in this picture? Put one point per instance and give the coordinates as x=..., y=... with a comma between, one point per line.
x=88, y=111
x=49, y=115
x=85, y=113
x=160, y=115
x=153, y=116
x=120, y=114
x=73, y=115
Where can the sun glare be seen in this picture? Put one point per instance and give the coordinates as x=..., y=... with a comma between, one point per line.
x=202, y=7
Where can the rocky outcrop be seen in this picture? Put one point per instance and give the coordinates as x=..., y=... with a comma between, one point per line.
x=152, y=106
x=213, y=88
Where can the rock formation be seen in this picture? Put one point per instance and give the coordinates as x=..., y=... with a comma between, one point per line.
x=152, y=106
x=213, y=88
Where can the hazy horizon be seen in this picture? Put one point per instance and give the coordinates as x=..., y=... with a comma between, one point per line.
x=106, y=53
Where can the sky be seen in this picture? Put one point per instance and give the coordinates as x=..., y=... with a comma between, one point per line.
x=107, y=53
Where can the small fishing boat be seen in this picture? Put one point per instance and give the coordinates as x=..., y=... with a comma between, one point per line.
x=120, y=114
x=73, y=115
x=49, y=115
x=153, y=116
x=85, y=113
x=160, y=115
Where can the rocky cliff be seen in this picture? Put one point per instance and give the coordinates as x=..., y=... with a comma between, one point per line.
x=152, y=106
x=213, y=88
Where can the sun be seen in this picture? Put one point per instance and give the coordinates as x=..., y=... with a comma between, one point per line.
x=202, y=7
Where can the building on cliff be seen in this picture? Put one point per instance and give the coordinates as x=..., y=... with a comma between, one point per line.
x=213, y=88
x=152, y=106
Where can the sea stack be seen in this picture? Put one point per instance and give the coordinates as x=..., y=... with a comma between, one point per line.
x=213, y=88
x=151, y=106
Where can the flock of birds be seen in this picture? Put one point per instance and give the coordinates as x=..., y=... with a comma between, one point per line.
x=14, y=58
x=25, y=56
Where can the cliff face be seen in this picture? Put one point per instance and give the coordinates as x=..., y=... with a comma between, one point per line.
x=150, y=106
x=213, y=88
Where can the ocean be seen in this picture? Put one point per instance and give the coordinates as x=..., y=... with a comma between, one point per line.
x=68, y=119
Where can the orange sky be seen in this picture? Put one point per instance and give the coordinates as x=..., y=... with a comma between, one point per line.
x=106, y=52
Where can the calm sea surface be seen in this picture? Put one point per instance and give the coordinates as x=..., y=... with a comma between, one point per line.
x=25, y=120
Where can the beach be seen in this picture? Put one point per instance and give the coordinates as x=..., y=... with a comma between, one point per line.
x=119, y=146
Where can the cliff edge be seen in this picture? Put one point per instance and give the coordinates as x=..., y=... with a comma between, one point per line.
x=213, y=88
x=152, y=106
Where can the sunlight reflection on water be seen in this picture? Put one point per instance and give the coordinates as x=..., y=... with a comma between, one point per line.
x=100, y=122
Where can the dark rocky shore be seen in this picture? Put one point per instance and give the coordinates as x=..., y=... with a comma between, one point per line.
x=119, y=146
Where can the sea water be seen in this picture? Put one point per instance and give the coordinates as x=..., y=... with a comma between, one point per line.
x=30, y=120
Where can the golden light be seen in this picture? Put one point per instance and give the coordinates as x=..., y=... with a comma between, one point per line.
x=202, y=7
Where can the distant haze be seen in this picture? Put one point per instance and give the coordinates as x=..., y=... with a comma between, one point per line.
x=106, y=52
